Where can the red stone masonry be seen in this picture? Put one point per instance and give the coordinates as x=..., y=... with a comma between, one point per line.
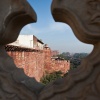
x=35, y=62
x=54, y=65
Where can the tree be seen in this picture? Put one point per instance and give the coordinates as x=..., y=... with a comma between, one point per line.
x=51, y=77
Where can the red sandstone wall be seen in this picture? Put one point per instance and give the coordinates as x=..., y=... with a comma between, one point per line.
x=54, y=65
x=47, y=59
x=36, y=63
x=31, y=62
x=60, y=65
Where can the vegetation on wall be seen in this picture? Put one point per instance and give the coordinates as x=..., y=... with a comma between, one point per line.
x=51, y=77
x=75, y=61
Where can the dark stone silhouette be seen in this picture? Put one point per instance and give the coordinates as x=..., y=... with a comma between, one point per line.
x=81, y=83
x=83, y=16
x=14, y=84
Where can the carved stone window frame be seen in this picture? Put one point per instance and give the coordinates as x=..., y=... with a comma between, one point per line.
x=80, y=84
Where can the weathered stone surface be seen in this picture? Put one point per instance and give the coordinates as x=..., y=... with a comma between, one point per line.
x=83, y=83
x=80, y=84
x=30, y=61
x=14, y=84
x=14, y=14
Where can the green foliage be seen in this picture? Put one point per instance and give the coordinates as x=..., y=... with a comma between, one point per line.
x=51, y=77
x=75, y=61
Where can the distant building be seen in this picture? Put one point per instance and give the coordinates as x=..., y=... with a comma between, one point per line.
x=38, y=44
x=55, y=52
x=28, y=41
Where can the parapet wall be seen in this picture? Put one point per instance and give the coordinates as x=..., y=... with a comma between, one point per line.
x=52, y=65
x=36, y=63
x=31, y=62
x=60, y=65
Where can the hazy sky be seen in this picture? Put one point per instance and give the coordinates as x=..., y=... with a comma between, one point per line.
x=58, y=36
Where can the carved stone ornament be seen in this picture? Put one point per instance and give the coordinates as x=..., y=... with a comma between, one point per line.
x=14, y=84
x=83, y=83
